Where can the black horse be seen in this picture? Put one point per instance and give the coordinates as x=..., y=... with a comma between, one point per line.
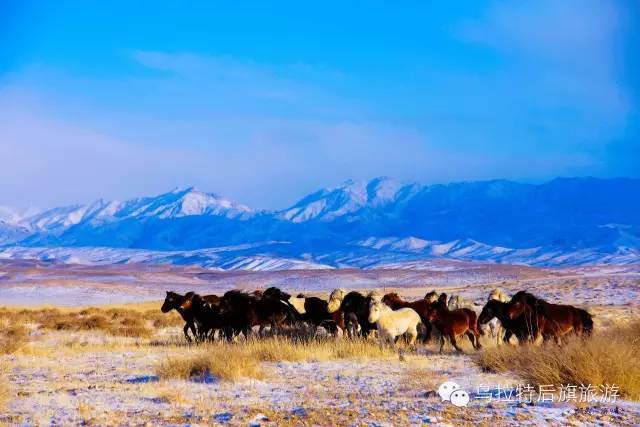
x=356, y=304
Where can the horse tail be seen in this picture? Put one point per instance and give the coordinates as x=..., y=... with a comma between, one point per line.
x=587, y=321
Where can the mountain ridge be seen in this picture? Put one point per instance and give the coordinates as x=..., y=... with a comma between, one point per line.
x=586, y=219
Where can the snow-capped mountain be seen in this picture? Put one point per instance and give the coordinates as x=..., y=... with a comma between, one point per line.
x=348, y=198
x=174, y=204
x=358, y=224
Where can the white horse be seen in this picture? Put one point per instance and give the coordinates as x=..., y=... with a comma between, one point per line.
x=335, y=300
x=391, y=324
x=495, y=327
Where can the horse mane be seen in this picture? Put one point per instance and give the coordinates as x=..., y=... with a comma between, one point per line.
x=528, y=298
x=392, y=296
x=338, y=293
x=375, y=295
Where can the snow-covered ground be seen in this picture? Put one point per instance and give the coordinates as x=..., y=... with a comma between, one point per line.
x=80, y=378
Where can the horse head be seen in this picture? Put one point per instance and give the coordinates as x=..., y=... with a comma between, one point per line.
x=431, y=296
x=335, y=300
x=375, y=310
x=188, y=301
x=171, y=301
x=488, y=312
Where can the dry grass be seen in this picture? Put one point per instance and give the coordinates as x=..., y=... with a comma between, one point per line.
x=242, y=360
x=112, y=321
x=5, y=393
x=225, y=366
x=608, y=357
x=12, y=338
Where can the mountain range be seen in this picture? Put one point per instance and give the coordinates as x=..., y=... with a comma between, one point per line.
x=364, y=224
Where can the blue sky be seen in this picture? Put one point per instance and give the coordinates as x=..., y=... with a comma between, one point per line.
x=265, y=102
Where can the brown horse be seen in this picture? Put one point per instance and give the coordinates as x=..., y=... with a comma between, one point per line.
x=453, y=323
x=549, y=321
x=420, y=306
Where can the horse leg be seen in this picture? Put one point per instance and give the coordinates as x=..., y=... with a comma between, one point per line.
x=427, y=336
x=412, y=335
x=452, y=337
x=246, y=331
x=471, y=337
x=186, y=331
x=382, y=340
x=476, y=334
x=441, y=342
x=507, y=336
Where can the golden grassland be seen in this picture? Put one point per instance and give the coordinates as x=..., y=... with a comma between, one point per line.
x=610, y=356
x=242, y=359
x=126, y=322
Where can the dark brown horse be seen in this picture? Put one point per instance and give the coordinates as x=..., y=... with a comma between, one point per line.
x=207, y=314
x=172, y=301
x=549, y=321
x=498, y=309
x=420, y=306
x=453, y=323
x=244, y=311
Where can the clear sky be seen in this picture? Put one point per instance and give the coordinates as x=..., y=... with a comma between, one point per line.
x=264, y=102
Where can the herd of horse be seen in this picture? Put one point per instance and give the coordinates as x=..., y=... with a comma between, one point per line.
x=354, y=314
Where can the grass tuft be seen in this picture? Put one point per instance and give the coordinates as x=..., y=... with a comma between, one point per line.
x=12, y=338
x=222, y=365
x=611, y=356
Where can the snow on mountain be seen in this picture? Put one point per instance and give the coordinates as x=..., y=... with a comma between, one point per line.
x=8, y=215
x=408, y=249
x=350, y=197
x=174, y=204
x=356, y=224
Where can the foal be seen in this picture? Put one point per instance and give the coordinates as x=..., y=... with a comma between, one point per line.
x=453, y=323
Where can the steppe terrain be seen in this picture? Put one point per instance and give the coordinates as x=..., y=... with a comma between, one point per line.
x=88, y=345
